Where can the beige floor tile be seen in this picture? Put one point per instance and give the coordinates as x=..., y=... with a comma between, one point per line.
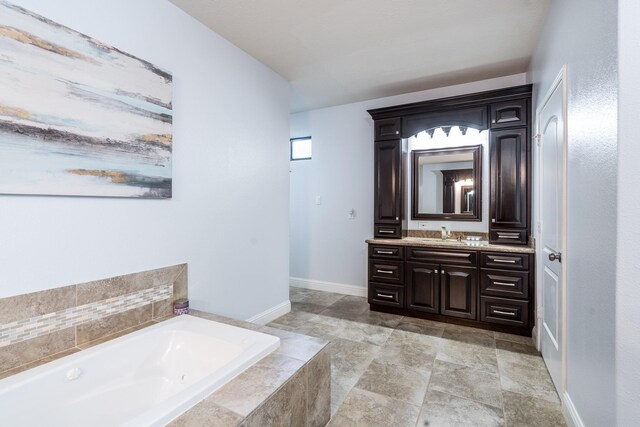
x=514, y=338
x=469, y=335
x=471, y=355
x=525, y=411
x=365, y=409
x=354, y=331
x=400, y=382
x=446, y=410
x=307, y=307
x=319, y=298
x=466, y=382
x=411, y=350
x=421, y=326
x=528, y=380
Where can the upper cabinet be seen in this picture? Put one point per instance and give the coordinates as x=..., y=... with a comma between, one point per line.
x=388, y=188
x=509, y=114
x=387, y=129
x=505, y=115
x=509, y=178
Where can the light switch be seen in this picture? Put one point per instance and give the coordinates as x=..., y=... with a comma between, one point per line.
x=318, y=200
x=352, y=214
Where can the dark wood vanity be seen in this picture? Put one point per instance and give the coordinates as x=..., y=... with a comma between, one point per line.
x=490, y=286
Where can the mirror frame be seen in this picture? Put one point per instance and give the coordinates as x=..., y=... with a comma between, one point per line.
x=476, y=150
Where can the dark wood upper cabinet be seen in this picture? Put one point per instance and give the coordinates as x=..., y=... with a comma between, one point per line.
x=505, y=114
x=458, y=291
x=387, y=129
x=388, y=183
x=423, y=287
x=508, y=166
x=510, y=114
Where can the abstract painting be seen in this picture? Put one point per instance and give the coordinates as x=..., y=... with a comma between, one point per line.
x=79, y=117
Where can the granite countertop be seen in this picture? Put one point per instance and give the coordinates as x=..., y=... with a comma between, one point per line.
x=453, y=244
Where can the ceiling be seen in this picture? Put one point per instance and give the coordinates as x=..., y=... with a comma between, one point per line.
x=340, y=51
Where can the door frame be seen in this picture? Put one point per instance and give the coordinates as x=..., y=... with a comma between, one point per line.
x=560, y=80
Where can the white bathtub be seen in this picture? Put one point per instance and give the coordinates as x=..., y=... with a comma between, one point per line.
x=146, y=378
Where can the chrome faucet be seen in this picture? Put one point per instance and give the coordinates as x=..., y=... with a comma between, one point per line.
x=445, y=233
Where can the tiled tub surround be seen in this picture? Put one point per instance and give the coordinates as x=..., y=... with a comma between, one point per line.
x=291, y=386
x=36, y=326
x=145, y=378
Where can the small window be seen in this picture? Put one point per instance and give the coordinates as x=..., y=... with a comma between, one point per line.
x=301, y=148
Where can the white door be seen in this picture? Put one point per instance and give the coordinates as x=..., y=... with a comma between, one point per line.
x=552, y=141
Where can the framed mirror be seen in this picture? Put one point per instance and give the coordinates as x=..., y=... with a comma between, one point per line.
x=447, y=183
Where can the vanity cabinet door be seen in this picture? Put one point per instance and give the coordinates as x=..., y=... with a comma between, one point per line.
x=458, y=291
x=388, y=183
x=386, y=129
x=423, y=287
x=508, y=175
x=510, y=114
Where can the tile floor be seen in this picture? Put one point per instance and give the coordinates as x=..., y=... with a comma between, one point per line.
x=389, y=370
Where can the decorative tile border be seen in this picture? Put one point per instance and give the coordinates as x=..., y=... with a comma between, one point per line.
x=37, y=325
x=25, y=329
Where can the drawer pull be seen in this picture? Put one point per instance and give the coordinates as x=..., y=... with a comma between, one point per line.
x=385, y=296
x=385, y=252
x=504, y=283
x=384, y=271
x=506, y=313
x=508, y=236
x=507, y=261
x=386, y=231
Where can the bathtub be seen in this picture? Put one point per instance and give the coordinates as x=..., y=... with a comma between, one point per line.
x=146, y=378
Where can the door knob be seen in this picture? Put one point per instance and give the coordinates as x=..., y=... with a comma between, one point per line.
x=555, y=256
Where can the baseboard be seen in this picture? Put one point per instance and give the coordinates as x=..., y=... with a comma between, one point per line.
x=319, y=285
x=271, y=313
x=570, y=413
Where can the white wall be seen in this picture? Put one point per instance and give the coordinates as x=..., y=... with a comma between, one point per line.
x=582, y=34
x=325, y=244
x=231, y=120
x=627, y=283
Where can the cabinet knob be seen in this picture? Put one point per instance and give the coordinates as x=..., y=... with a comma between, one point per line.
x=397, y=132
x=493, y=121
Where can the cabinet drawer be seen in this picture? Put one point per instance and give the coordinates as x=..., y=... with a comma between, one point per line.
x=387, y=231
x=509, y=113
x=382, y=294
x=504, y=311
x=442, y=256
x=504, y=260
x=508, y=237
x=383, y=251
x=387, y=129
x=508, y=284
x=386, y=271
